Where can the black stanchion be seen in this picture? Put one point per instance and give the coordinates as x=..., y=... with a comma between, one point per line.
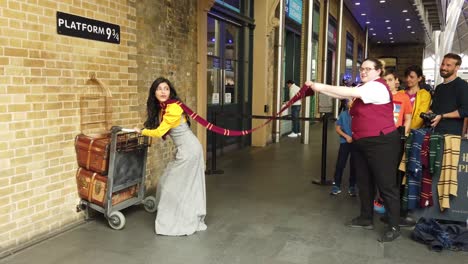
x=213, y=169
x=323, y=176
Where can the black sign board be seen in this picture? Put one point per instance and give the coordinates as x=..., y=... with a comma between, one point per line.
x=458, y=210
x=82, y=27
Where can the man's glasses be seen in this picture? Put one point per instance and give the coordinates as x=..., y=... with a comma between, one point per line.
x=366, y=70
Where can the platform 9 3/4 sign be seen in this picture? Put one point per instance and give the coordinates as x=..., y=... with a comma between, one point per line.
x=82, y=27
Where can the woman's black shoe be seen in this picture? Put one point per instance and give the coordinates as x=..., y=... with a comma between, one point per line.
x=361, y=222
x=407, y=222
x=404, y=221
x=390, y=235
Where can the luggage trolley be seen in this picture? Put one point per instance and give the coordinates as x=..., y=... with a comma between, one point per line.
x=127, y=167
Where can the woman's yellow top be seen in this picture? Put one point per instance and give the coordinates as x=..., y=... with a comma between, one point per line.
x=172, y=118
x=421, y=105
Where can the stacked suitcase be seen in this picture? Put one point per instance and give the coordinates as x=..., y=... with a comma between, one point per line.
x=92, y=153
x=111, y=173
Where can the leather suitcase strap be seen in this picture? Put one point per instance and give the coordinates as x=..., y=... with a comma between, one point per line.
x=88, y=160
x=91, y=187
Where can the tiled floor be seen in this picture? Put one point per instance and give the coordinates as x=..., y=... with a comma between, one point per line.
x=263, y=209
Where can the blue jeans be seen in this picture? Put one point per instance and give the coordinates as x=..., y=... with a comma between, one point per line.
x=343, y=153
x=295, y=110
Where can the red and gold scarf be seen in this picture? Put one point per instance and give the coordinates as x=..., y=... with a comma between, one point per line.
x=303, y=92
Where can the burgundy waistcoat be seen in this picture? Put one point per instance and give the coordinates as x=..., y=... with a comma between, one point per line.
x=370, y=120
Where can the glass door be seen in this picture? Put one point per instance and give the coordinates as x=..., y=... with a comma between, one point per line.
x=224, y=95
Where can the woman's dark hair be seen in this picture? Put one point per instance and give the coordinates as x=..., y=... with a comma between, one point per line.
x=343, y=105
x=414, y=68
x=392, y=72
x=153, y=106
x=378, y=65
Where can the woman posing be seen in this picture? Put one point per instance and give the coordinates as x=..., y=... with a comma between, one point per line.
x=181, y=196
x=374, y=139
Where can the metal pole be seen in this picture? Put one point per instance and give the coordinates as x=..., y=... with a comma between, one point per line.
x=325, y=45
x=367, y=42
x=325, y=116
x=308, y=70
x=279, y=77
x=213, y=169
x=338, y=55
x=323, y=167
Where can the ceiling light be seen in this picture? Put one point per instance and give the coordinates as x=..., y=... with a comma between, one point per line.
x=389, y=27
x=408, y=27
x=382, y=1
x=371, y=29
x=357, y=3
x=368, y=22
x=363, y=14
x=374, y=34
x=378, y=42
x=390, y=33
x=407, y=19
x=412, y=32
x=392, y=41
x=386, y=21
x=404, y=11
x=391, y=38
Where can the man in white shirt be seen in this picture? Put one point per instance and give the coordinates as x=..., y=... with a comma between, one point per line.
x=295, y=109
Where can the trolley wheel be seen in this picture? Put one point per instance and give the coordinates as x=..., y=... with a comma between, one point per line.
x=116, y=220
x=149, y=204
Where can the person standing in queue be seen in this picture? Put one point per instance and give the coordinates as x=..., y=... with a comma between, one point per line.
x=420, y=98
x=374, y=139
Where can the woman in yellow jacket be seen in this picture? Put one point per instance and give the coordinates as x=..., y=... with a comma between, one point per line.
x=419, y=98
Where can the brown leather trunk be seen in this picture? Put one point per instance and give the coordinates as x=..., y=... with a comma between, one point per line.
x=92, y=187
x=92, y=152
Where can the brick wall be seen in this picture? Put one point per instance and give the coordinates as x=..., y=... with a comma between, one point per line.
x=166, y=45
x=43, y=75
x=406, y=55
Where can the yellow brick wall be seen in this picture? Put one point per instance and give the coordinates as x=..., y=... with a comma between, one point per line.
x=43, y=75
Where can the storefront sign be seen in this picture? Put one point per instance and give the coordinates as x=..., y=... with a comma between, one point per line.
x=227, y=98
x=349, y=45
x=293, y=10
x=325, y=103
x=331, y=34
x=215, y=98
x=86, y=28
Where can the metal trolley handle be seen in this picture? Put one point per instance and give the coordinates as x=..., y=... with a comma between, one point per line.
x=128, y=139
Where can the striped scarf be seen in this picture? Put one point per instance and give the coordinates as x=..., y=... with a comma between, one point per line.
x=448, y=183
x=303, y=92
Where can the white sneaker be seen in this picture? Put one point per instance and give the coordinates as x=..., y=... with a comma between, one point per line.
x=292, y=135
x=299, y=134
